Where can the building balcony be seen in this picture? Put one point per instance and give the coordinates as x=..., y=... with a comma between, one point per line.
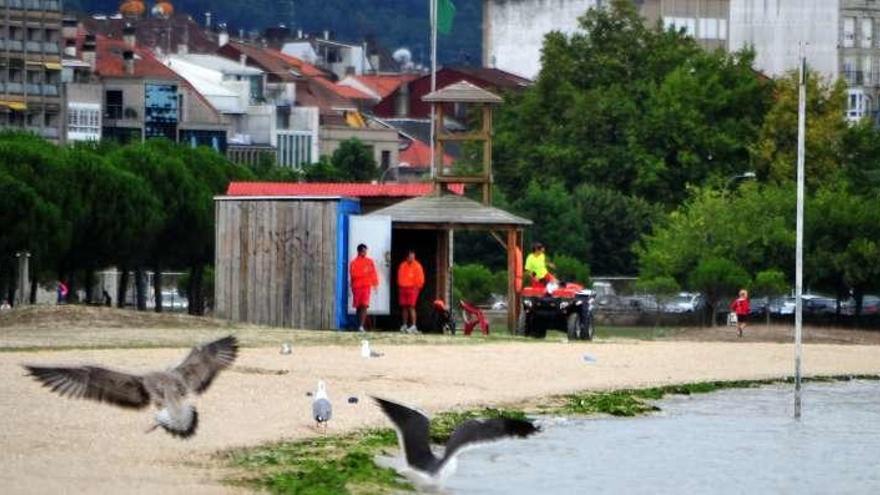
x=33, y=89
x=50, y=90
x=33, y=46
x=13, y=45
x=37, y=5
x=15, y=88
x=50, y=132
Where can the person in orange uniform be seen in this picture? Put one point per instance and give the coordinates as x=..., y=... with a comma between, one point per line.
x=410, y=280
x=364, y=280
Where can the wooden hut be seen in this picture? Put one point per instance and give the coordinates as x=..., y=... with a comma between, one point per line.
x=281, y=261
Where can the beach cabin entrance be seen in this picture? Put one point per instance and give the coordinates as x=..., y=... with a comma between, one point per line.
x=375, y=232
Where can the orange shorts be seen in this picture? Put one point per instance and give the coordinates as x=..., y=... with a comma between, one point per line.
x=361, y=296
x=407, y=296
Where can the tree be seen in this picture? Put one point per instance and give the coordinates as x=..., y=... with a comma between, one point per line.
x=612, y=223
x=717, y=278
x=354, y=161
x=631, y=108
x=775, y=151
x=557, y=222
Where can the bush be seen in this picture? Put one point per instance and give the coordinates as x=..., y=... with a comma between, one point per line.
x=475, y=283
x=569, y=269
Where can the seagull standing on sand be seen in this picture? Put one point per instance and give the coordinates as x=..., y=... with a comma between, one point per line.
x=322, y=409
x=367, y=352
x=167, y=390
x=413, y=435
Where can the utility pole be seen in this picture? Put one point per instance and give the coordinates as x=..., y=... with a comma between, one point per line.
x=799, y=242
x=434, y=130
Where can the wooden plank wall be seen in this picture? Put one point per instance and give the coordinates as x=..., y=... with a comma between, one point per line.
x=276, y=262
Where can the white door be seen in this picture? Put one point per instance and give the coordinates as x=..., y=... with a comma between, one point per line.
x=375, y=232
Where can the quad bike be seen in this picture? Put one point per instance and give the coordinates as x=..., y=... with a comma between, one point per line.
x=562, y=306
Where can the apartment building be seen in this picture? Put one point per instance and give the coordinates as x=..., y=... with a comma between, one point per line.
x=30, y=67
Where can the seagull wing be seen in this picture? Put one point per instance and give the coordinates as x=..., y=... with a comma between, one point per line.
x=95, y=383
x=473, y=432
x=204, y=362
x=412, y=432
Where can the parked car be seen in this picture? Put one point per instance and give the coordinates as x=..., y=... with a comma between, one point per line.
x=685, y=302
x=817, y=305
x=782, y=306
x=758, y=306
x=870, y=306
x=173, y=301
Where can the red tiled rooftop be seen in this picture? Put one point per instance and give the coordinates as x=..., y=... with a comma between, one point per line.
x=418, y=155
x=332, y=189
x=109, y=61
x=300, y=65
x=385, y=84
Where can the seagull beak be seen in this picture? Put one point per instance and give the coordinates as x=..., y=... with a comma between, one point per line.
x=152, y=428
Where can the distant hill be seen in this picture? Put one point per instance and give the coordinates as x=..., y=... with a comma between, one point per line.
x=395, y=23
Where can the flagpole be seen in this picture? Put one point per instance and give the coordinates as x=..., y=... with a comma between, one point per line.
x=799, y=240
x=433, y=7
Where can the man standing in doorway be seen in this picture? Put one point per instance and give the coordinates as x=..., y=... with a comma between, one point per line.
x=410, y=280
x=364, y=280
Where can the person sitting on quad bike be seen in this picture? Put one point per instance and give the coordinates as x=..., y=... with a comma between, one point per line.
x=536, y=265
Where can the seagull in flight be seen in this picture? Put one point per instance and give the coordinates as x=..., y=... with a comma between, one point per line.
x=167, y=390
x=322, y=409
x=413, y=436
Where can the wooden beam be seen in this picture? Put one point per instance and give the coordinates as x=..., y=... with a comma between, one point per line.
x=512, y=308
x=463, y=179
x=464, y=136
x=498, y=238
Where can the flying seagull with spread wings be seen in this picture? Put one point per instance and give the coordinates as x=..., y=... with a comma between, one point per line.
x=413, y=435
x=167, y=390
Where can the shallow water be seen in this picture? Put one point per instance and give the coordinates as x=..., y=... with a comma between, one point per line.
x=733, y=441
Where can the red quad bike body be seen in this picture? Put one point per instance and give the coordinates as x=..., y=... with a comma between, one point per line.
x=556, y=305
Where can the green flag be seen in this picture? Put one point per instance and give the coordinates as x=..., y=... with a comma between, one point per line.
x=445, y=15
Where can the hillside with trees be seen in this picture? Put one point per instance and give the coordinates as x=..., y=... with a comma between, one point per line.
x=394, y=23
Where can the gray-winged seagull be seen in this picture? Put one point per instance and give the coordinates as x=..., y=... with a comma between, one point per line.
x=322, y=409
x=413, y=435
x=167, y=390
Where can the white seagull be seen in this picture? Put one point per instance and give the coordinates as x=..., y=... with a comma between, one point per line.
x=167, y=390
x=367, y=352
x=414, y=438
x=322, y=409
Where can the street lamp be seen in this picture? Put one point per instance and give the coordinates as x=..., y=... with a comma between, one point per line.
x=733, y=179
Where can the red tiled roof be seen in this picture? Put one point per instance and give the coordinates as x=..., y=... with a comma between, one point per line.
x=109, y=62
x=385, y=84
x=350, y=92
x=418, y=155
x=300, y=65
x=350, y=189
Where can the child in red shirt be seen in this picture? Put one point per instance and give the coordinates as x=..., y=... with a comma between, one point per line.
x=740, y=306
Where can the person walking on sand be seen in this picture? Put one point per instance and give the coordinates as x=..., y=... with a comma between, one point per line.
x=364, y=280
x=410, y=280
x=740, y=307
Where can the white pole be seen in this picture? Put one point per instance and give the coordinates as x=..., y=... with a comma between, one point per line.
x=433, y=7
x=799, y=243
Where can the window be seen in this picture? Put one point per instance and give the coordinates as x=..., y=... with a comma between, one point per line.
x=858, y=105
x=83, y=121
x=386, y=160
x=849, y=32
x=866, y=70
x=849, y=70
x=867, y=38
x=256, y=88
x=113, y=104
x=160, y=111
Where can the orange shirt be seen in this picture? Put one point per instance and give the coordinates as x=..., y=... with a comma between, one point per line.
x=363, y=273
x=410, y=274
